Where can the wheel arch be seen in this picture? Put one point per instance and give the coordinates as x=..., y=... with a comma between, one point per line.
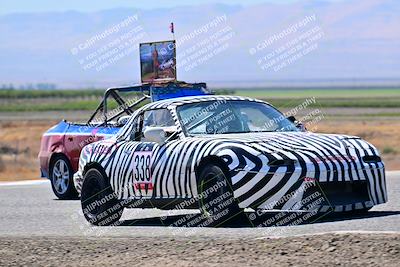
x=97, y=166
x=215, y=160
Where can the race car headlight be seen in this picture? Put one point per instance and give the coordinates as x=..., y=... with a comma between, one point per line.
x=282, y=163
x=371, y=159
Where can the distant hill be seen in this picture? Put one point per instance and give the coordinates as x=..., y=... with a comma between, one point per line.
x=361, y=39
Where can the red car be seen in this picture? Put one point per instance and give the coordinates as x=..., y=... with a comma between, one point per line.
x=61, y=145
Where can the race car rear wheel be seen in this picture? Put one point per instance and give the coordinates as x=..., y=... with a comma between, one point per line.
x=61, y=177
x=100, y=205
x=216, y=195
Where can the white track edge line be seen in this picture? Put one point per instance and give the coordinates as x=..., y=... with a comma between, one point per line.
x=25, y=182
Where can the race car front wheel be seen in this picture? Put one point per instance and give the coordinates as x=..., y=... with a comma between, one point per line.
x=100, y=205
x=61, y=177
x=216, y=196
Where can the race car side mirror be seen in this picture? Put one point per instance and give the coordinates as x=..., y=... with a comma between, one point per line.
x=154, y=134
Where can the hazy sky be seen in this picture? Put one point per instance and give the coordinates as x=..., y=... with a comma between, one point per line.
x=13, y=6
x=354, y=39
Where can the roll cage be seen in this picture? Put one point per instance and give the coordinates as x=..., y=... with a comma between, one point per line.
x=152, y=91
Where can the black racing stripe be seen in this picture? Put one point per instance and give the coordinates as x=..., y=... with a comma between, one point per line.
x=268, y=176
x=163, y=160
x=372, y=170
x=284, y=180
x=340, y=160
x=175, y=162
x=264, y=181
x=198, y=145
x=157, y=177
x=152, y=174
x=293, y=188
x=349, y=162
x=188, y=148
x=272, y=191
x=365, y=172
x=332, y=141
x=127, y=166
x=328, y=147
x=110, y=159
x=241, y=153
x=246, y=178
x=312, y=160
x=113, y=168
x=326, y=158
x=185, y=168
x=105, y=150
x=332, y=157
x=188, y=193
x=170, y=162
x=177, y=166
x=383, y=184
x=208, y=145
x=381, y=179
x=348, y=152
x=320, y=157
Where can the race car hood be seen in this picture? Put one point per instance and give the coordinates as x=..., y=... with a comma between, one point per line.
x=305, y=141
x=307, y=148
x=297, y=141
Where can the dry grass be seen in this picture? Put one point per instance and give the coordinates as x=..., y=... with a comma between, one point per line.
x=24, y=137
x=22, y=141
x=384, y=134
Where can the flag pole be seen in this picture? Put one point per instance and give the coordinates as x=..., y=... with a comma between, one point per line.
x=171, y=27
x=172, y=30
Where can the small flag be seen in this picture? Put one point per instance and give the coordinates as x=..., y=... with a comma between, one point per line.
x=171, y=27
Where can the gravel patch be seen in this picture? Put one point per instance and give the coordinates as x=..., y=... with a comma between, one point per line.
x=318, y=250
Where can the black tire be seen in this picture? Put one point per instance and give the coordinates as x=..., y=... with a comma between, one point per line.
x=61, y=178
x=100, y=205
x=216, y=195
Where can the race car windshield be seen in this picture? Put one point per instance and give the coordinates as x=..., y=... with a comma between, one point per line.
x=232, y=116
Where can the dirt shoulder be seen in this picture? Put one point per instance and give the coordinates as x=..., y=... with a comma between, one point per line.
x=318, y=250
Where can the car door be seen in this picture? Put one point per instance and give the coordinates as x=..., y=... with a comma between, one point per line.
x=141, y=181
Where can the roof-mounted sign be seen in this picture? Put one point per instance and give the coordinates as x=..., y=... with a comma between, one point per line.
x=158, y=61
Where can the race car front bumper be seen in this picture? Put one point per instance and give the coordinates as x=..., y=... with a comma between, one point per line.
x=312, y=190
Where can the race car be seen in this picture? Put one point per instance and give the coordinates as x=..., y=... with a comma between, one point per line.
x=61, y=145
x=223, y=154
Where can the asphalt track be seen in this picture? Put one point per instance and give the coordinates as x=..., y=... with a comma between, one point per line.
x=29, y=209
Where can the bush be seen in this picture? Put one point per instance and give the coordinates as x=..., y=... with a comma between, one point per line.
x=389, y=150
x=2, y=165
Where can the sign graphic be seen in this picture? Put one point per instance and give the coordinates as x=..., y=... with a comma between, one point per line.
x=158, y=61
